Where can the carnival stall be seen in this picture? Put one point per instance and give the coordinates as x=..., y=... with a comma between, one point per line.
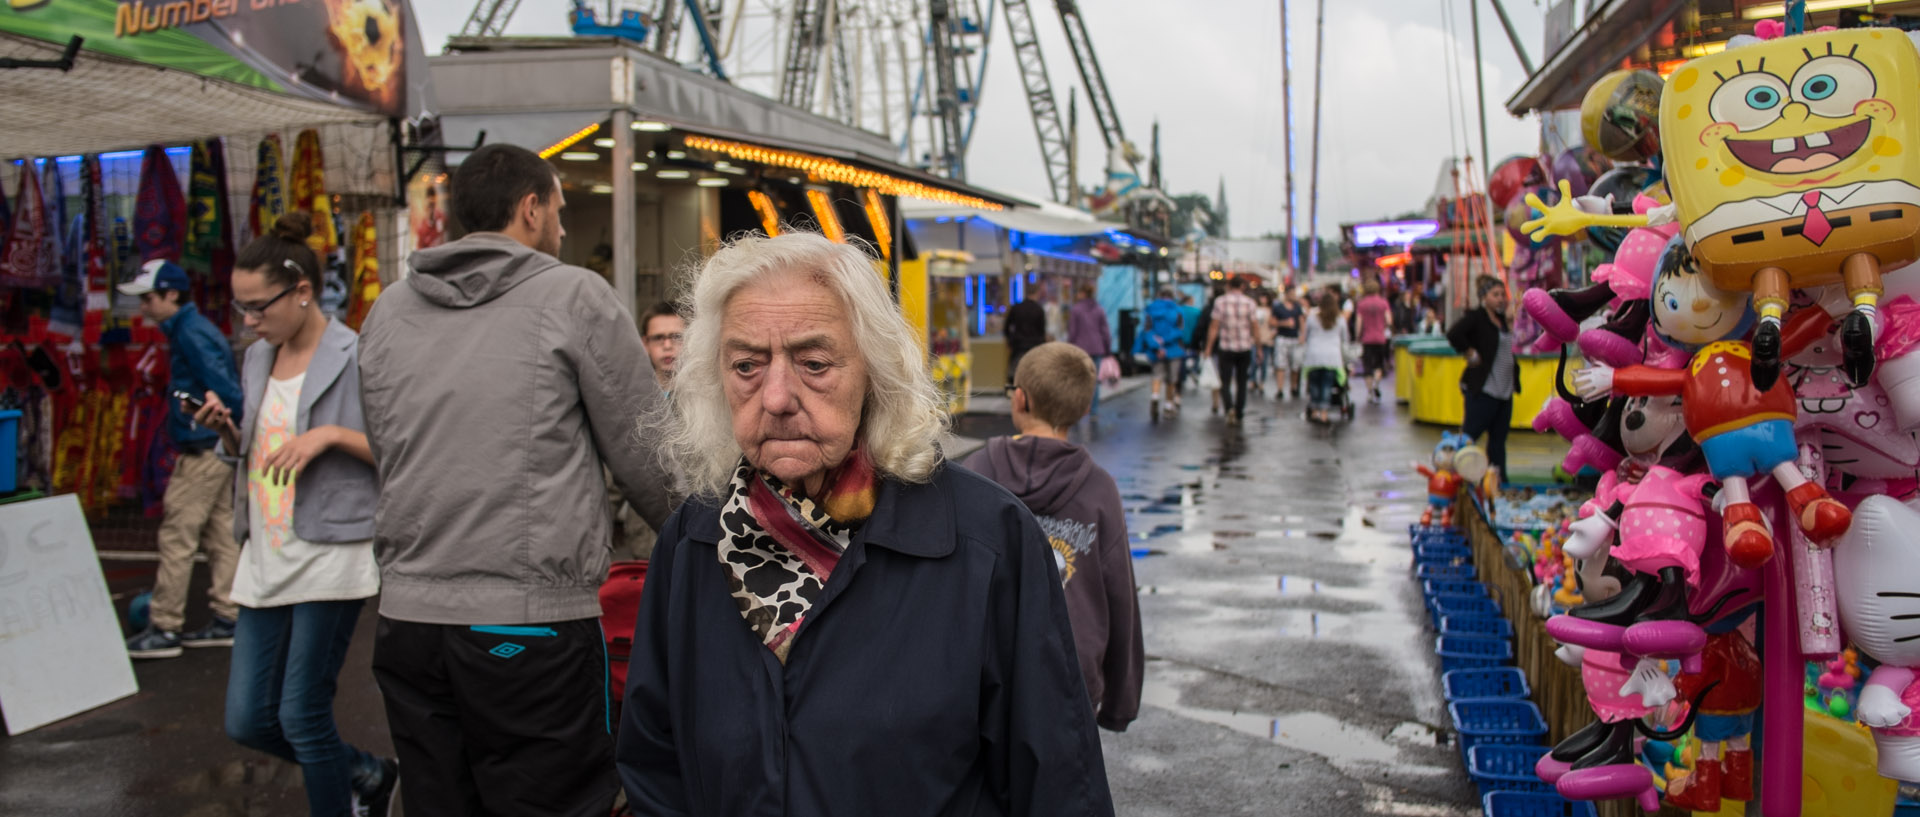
x=1724, y=624
x=181, y=144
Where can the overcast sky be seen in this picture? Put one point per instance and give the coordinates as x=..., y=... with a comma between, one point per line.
x=1212, y=80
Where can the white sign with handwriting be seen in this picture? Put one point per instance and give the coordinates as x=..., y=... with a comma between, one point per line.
x=61, y=652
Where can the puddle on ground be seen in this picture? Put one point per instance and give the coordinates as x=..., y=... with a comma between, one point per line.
x=1295, y=585
x=1348, y=747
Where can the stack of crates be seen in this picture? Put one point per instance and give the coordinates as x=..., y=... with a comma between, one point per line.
x=1500, y=732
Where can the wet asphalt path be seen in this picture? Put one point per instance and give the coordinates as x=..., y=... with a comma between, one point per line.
x=1290, y=672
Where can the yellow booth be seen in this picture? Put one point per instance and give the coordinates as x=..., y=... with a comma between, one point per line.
x=933, y=299
x=1433, y=369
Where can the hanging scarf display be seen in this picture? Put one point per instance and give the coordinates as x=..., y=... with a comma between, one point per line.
x=94, y=256
x=308, y=185
x=32, y=256
x=779, y=558
x=366, y=270
x=209, y=255
x=6, y=222
x=69, y=295
x=160, y=210
x=121, y=266
x=269, y=200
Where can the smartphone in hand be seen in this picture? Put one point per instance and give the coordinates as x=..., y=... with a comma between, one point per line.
x=194, y=404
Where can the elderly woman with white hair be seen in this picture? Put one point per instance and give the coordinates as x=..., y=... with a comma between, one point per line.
x=837, y=622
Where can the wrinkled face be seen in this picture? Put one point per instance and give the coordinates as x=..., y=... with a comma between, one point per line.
x=1650, y=424
x=794, y=380
x=1691, y=310
x=1795, y=113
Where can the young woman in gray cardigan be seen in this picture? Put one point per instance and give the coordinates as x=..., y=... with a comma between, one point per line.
x=303, y=504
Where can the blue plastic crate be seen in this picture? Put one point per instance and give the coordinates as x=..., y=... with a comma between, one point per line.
x=1505, y=767
x=1466, y=652
x=1439, y=607
x=1442, y=553
x=1444, y=571
x=1417, y=530
x=1505, y=721
x=1452, y=587
x=1476, y=627
x=9, y=450
x=1487, y=682
x=1534, y=804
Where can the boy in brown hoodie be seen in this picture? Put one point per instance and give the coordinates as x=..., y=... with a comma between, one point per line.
x=1078, y=506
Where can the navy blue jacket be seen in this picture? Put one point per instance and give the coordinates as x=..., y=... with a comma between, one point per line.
x=199, y=360
x=936, y=676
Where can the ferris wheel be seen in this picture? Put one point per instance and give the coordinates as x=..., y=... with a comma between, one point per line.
x=910, y=70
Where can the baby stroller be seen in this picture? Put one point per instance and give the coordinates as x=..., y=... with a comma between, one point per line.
x=1328, y=399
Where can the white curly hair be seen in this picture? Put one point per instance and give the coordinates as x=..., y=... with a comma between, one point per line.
x=904, y=415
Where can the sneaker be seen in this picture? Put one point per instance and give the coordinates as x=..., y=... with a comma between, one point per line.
x=379, y=801
x=154, y=643
x=217, y=633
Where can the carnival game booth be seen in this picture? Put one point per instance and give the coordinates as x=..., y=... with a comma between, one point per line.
x=1045, y=251
x=178, y=146
x=660, y=165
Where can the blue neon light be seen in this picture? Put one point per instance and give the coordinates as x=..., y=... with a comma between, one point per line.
x=1019, y=289
x=980, y=316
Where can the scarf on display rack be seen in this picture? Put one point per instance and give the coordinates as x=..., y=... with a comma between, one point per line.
x=269, y=200
x=95, y=261
x=209, y=253
x=779, y=548
x=69, y=295
x=123, y=265
x=32, y=255
x=307, y=181
x=160, y=210
x=366, y=270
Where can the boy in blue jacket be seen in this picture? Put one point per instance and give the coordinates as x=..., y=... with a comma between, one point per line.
x=199, y=500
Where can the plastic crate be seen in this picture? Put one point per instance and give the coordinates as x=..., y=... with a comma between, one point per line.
x=1442, y=553
x=9, y=450
x=1439, y=607
x=1444, y=571
x=1504, y=767
x=1417, y=530
x=1476, y=627
x=1496, y=721
x=1466, y=652
x=1534, y=804
x=1454, y=587
x=1489, y=682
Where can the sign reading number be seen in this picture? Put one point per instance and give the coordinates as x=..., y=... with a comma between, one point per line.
x=61, y=651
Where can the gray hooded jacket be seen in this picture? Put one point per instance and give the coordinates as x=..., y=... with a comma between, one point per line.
x=496, y=380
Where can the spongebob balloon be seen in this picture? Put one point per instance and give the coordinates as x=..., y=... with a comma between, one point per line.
x=1791, y=162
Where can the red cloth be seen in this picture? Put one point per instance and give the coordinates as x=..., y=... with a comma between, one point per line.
x=1373, y=311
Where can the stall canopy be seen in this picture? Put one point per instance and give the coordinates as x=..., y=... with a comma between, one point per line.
x=110, y=103
x=1614, y=31
x=1044, y=218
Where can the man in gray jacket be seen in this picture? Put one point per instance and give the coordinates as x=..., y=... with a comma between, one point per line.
x=497, y=380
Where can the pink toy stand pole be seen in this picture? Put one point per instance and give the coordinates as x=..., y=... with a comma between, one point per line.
x=1783, y=667
x=1813, y=574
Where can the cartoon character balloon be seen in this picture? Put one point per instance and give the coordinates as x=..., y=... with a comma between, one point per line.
x=1879, y=593
x=1745, y=430
x=1620, y=116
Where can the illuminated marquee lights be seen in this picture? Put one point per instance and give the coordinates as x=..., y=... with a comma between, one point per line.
x=769, y=216
x=877, y=216
x=829, y=222
x=824, y=169
x=555, y=148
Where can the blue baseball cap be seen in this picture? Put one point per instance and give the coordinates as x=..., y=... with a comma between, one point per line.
x=158, y=274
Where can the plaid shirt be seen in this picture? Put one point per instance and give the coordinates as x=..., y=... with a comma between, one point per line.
x=1233, y=313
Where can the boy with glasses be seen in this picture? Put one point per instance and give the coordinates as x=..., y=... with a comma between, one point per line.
x=199, y=499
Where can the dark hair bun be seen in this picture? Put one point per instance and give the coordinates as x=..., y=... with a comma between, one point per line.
x=296, y=226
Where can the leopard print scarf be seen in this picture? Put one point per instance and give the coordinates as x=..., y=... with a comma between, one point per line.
x=779, y=548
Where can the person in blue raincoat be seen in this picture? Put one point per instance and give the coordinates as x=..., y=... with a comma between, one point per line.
x=1162, y=341
x=838, y=622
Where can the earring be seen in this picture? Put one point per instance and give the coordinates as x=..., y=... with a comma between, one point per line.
x=303, y=304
